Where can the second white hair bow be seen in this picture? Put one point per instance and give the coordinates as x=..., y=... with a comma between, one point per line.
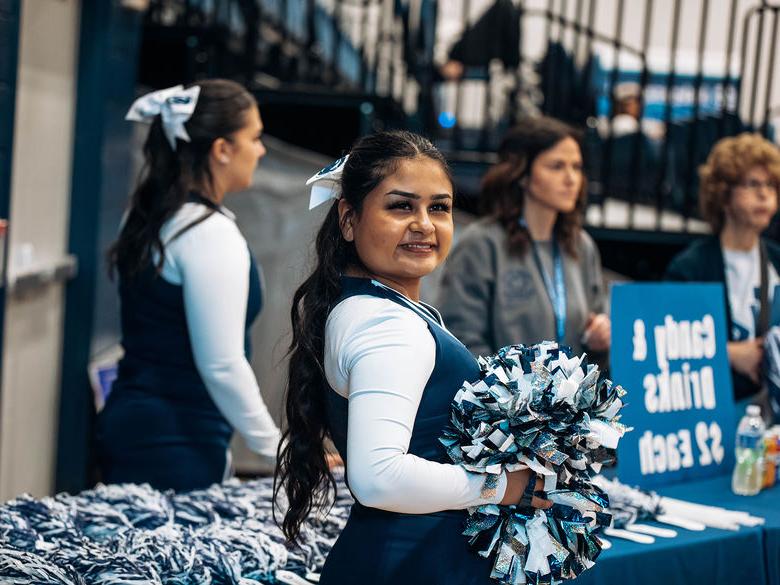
x=327, y=183
x=175, y=106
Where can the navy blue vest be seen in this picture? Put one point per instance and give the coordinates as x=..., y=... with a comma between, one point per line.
x=159, y=400
x=385, y=547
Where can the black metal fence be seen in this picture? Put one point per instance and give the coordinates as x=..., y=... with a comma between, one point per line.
x=687, y=71
x=650, y=168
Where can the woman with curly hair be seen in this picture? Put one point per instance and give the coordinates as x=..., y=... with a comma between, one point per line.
x=528, y=271
x=738, y=195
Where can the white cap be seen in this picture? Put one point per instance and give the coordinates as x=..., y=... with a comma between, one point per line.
x=753, y=410
x=627, y=89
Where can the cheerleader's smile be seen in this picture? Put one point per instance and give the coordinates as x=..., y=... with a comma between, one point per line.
x=419, y=247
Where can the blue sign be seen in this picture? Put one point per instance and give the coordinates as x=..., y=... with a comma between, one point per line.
x=669, y=352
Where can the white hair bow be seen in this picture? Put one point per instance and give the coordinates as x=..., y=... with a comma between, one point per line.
x=327, y=183
x=175, y=105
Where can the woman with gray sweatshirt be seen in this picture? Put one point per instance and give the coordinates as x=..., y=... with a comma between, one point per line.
x=528, y=272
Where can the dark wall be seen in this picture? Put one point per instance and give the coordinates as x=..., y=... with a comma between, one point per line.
x=9, y=55
x=639, y=255
x=102, y=165
x=323, y=121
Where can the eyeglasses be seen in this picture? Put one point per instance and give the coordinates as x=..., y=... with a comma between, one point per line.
x=755, y=186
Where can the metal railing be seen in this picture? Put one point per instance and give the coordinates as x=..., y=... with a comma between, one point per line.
x=653, y=176
x=695, y=82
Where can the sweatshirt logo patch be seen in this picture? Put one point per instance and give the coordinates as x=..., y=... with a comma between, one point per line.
x=518, y=284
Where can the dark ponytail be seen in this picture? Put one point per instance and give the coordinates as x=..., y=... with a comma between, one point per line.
x=302, y=470
x=169, y=175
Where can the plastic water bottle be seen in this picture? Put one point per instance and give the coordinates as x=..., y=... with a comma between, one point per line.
x=748, y=473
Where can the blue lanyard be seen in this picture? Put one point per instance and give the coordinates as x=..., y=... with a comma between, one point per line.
x=555, y=290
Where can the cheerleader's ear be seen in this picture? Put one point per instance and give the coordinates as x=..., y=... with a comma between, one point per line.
x=220, y=151
x=346, y=219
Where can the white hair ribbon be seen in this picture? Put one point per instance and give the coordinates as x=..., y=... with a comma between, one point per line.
x=175, y=106
x=327, y=183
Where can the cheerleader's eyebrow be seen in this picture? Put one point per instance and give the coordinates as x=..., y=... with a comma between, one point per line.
x=411, y=195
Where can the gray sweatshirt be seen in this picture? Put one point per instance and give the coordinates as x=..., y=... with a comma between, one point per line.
x=490, y=298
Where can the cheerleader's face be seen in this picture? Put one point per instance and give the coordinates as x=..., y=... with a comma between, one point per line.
x=404, y=228
x=245, y=149
x=556, y=177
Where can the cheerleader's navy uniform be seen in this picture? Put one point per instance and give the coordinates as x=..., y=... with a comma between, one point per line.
x=385, y=418
x=184, y=382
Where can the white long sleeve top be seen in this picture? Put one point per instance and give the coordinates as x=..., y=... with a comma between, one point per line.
x=380, y=355
x=210, y=261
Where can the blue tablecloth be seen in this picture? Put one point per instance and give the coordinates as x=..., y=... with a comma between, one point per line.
x=750, y=556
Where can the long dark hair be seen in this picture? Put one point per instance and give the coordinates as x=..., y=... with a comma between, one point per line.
x=169, y=175
x=302, y=469
x=502, y=191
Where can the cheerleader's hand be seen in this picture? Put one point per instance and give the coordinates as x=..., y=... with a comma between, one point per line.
x=516, y=482
x=334, y=460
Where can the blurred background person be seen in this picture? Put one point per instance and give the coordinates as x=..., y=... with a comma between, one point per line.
x=528, y=271
x=494, y=36
x=627, y=105
x=738, y=197
x=629, y=146
x=189, y=291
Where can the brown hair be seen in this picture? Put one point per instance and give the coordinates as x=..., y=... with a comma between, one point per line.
x=502, y=192
x=727, y=164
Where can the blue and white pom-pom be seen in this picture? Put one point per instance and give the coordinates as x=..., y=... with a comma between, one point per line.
x=538, y=408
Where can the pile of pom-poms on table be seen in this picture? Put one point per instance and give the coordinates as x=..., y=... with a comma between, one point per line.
x=542, y=408
x=629, y=505
x=133, y=534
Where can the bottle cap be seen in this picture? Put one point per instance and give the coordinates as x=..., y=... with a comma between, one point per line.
x=753, y=410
